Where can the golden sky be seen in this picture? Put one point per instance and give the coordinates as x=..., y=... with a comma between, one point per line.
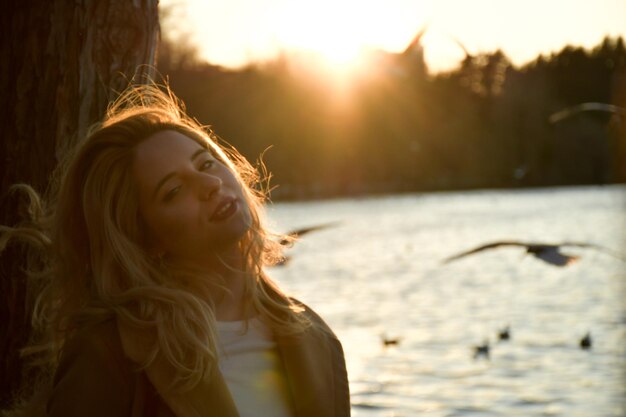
x=234, y=32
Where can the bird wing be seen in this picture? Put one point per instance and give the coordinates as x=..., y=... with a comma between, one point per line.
x=293, y=234
x=549, y=253
x=482, y=248
x=606, y=250
x=415, y=42
x=570, y=111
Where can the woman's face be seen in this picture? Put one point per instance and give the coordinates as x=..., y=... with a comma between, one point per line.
x=192, y=204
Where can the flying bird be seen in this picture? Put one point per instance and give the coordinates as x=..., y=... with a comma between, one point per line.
x=550, y=253
x=415, y=46
x=294, y=234
x=583, y=107
x=390, y=341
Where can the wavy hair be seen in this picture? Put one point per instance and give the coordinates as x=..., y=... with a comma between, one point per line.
x=96, y=265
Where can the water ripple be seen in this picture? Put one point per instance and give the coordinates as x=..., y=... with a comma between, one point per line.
x=380, y=272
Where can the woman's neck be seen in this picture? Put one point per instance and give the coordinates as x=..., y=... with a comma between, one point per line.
x=230, y=266
x=230, y=306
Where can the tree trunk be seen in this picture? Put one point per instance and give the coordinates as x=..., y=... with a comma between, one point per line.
x=60, y=64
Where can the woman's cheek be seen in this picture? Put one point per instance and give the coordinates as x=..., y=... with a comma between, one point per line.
x=172, y=227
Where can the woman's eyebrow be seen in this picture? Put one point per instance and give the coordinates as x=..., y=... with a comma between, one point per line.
x=198, y=153
x=171, y=174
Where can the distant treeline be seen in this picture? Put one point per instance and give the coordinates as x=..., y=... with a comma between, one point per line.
x=397, y=128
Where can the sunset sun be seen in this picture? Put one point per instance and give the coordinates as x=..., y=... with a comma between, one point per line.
x=339, y=32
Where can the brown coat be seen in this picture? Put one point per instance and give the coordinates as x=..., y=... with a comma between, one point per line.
x=97, y=377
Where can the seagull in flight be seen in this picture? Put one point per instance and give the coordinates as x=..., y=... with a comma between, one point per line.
x=294, y=234
x=389, y=341
x=582, y=107
x=550, y=253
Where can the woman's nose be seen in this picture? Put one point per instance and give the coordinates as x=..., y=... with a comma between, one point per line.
x=208, y=185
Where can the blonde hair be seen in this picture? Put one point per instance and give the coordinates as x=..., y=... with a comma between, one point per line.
x=96, y=265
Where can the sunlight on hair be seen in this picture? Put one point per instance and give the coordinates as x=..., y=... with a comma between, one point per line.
x=93, y=264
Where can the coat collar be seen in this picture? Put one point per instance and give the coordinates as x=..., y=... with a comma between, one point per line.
x=307, y=359
x=210, y=397
x=309, y=367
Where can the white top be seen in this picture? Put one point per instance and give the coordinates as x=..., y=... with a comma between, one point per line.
x=253, y=369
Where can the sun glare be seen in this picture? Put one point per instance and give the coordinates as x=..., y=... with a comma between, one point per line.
x=238, y=32
x=306, y=27
x=338, y=31
x=442, y=52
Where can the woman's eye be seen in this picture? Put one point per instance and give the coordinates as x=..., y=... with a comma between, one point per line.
x=206, y=165
x=171, y=193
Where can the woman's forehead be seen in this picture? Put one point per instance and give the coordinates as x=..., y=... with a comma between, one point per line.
x=166, y=144
x=161, y=154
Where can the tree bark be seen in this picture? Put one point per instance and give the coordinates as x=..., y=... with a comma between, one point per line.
x=61, y=63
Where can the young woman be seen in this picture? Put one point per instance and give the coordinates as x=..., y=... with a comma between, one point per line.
x=154, y=300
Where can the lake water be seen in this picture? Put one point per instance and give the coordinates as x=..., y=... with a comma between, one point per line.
x=379, y=272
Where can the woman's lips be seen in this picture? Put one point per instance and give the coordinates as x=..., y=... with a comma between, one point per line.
x=224, y=210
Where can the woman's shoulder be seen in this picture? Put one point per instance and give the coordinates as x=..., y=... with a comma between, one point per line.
x=317, y=322
x=93, y=377
x=102, y=334
x=96, y=341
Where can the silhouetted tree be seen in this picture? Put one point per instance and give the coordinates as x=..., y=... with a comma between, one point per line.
x=61, y=64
